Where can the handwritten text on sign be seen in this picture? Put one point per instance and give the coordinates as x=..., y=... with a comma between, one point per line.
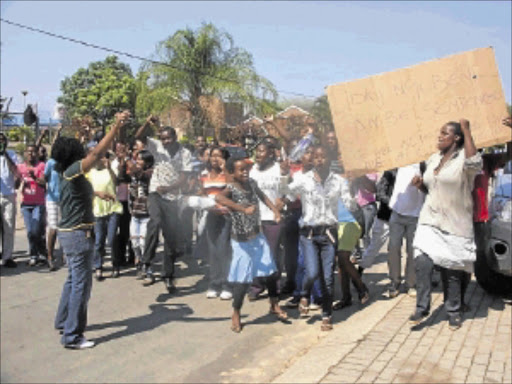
x=393, y=119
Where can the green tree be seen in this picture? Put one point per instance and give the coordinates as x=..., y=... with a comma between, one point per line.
x=322, y=113
x=100, y=90
x=206, y=62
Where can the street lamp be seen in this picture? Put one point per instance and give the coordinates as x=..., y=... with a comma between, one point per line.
x=24, y=93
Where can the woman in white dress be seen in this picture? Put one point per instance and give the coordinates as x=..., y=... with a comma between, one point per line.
x=444, y=236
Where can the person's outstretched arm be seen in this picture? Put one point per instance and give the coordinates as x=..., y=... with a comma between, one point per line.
x=102, y=147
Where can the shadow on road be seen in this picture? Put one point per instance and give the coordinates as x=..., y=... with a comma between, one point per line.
x=160, y=314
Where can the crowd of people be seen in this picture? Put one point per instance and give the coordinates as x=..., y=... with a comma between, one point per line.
x=280, y=216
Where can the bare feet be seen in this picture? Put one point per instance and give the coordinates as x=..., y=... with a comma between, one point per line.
x=277, y=310
x=236, y=325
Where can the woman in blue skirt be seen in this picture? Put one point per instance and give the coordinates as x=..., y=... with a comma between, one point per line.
x=251, y=253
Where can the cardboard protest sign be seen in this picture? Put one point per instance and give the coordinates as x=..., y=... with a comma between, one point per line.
x=393, y=119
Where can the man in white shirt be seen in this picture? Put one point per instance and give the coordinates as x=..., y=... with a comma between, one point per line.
x=406, y=202
x=172, y=166
x=9, y=182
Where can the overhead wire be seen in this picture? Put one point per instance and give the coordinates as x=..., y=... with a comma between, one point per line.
x=136, y=57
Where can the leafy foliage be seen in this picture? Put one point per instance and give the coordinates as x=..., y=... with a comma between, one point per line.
x=204, y=62
x=100, y=90
x=322, y=114
x=21, y=133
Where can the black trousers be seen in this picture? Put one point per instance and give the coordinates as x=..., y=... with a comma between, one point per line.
x=214, y=243
x=163, y=214
x=122, y=239
x=455, y=283
x=290, y=241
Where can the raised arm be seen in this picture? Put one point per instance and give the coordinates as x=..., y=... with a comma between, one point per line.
x=57, y=134
x=41, y=136
x=102, y=147
x=13, y=168
x=141, y=133
x=282, y=132
x=469, y=144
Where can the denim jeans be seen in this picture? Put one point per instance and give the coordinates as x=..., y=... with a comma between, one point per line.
x=105, y=228
x=34, y=217
x=319, y=252
x=138, y=229
x=369, y=212
x=72, y=311
x=380, y=234
x=316, y=292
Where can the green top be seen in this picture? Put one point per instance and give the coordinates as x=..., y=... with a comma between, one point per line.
x=76, y=196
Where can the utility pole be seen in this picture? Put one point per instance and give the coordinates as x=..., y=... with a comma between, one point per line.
x=24, y=93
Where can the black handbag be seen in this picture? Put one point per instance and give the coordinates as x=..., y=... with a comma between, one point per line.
x=359, y=216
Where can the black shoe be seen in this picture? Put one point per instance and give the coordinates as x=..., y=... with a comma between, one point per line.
x=418, y=317
x=149, y=279
x=293, y=302
x=287, y=289
x=51, y=265
x=42, y=260
x=10, y=263
x=393, y=292
x=455, y=322
x=169, y=285
x=341, y=304
x=98, y=275
x=140, y=273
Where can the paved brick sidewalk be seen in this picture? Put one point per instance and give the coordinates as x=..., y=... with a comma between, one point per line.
x=393, y=351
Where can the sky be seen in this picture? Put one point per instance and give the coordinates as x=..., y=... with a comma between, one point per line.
x=301, y=47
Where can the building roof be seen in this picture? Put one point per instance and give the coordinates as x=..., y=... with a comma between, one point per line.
x=292, y=110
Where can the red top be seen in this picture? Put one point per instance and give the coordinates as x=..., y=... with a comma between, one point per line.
x=33, y=193
x=480, y=201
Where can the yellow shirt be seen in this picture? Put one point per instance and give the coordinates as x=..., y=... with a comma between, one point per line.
x=102, y=182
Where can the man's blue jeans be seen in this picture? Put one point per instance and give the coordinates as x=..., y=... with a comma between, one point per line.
x=319, y=253
x=34, y=217
x=72, y=312
x=105, y=228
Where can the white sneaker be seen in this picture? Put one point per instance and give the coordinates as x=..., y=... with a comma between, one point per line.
x=211, y=294
x=82, y=344
x=226, y=295
x=411, y=292
x=314, y=307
